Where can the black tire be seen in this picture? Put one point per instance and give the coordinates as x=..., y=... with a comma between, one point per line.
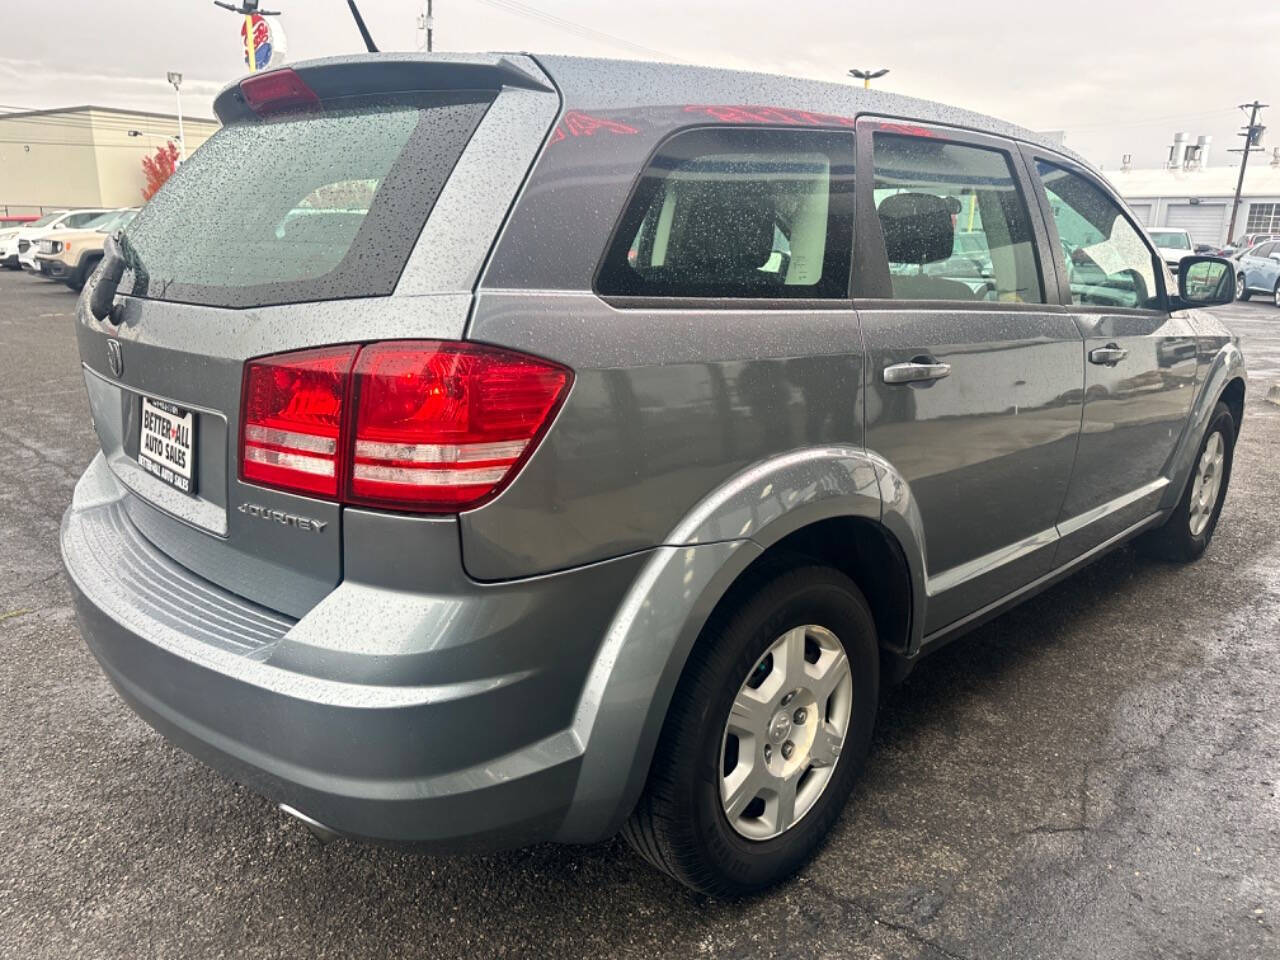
x=679, y=825
x=81, y=274
x=1242, y=289
x=1174, y=540
x=1275, y=294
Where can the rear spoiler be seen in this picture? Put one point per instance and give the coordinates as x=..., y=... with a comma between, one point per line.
x=398, y=73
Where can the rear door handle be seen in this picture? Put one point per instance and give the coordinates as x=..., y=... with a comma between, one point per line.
x=915, y=372
x=1108, y=356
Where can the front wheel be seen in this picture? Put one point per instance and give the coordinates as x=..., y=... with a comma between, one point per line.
x=1186, y=534
x=1275, y=294
x=766, y=734
x=1242, y=288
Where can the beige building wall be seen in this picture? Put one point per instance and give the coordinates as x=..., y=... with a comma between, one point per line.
x=83, y=156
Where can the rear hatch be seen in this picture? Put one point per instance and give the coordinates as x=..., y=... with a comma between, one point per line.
x=310, y=219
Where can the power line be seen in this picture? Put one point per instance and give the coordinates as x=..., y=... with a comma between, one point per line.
x=1140, y=123
x=570, y=26
x=94, y=146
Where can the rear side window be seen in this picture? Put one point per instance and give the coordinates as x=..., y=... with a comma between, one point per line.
x=1108, y=262
x=955, y=224
x=78, y=221
x=756, y=213
x=319, y=205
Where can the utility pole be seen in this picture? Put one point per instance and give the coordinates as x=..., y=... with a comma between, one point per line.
x=1252, y=141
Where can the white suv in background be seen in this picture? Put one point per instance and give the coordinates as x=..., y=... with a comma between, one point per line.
x=1172, y=245
x=24, y=243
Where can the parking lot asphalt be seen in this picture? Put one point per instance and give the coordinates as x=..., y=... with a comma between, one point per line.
x=1093, y=775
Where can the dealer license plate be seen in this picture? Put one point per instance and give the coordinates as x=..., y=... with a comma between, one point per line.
x=167, y=446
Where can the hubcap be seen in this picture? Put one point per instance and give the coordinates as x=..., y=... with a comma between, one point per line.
x=1276, y=296
x=1239, y=288
x=1207, y=483
x=784, y=732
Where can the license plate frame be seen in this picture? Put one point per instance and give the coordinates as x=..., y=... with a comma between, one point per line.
x=167, y=444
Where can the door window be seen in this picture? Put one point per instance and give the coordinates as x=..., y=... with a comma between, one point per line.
x=1263, y=250
x=955, y=224
x=738, y=213
x=1108, y=262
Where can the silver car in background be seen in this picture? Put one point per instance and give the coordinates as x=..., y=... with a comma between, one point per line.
x=535, y=448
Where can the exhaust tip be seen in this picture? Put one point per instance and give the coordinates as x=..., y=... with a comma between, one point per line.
x=317, y=829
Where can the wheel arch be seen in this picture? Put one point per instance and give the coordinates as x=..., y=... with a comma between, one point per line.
x=828, y=504
x=1224, y=380
x=1233, y=396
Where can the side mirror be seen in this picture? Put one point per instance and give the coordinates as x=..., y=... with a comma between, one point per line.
x=102, y=299
x=1206, y=281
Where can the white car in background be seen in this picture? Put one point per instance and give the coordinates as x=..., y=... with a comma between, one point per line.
x=9, y=237
x=1172, y=245
x=27, y=237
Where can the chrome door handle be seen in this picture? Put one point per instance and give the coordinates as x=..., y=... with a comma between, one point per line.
x=1108, y=356
x=915, y=372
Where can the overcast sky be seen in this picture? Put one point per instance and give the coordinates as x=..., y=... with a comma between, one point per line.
x=1119, y=76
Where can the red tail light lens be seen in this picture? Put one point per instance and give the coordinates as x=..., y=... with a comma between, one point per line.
x=418, y=425
x=275, y=91
x=291, y=428
x=443, y=426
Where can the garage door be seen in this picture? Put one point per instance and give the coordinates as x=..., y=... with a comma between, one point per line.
x=1143, y=212
x=1204, y=221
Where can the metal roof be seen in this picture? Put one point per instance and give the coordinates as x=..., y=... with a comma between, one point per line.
x=1261, y=179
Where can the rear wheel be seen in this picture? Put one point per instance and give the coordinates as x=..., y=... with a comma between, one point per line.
x=1242, y=288
x=1187, y=532
x=766, y=734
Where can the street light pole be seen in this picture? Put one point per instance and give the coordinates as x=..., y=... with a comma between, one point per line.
x=176, y=79
x=426, y=23
x=866, y=76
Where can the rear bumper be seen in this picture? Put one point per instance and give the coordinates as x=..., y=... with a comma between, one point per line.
x=441, y=719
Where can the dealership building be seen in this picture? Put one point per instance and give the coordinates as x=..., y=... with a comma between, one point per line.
x=83, y=156
x=1188, y=192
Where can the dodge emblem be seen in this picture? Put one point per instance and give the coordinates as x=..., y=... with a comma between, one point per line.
x=114, y=358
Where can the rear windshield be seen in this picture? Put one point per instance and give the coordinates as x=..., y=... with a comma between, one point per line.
x=320, y=205
x=1175, y=240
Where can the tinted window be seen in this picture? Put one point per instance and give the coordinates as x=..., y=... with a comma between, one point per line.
x=302, y=206
x=1108, y=262
x=738, y=213
x=77, y=221
x=1262, y=250
x=955, y=225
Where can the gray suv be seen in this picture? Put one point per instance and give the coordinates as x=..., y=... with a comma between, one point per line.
x=499, y=449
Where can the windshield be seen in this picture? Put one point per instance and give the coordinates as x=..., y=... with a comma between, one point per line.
x=300, y=206
x=1171, y=239
x=98, y=222
x=115, y=220
x=44, y=221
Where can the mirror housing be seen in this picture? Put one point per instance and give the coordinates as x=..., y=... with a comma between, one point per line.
x=1206, y=282
x=102, y=299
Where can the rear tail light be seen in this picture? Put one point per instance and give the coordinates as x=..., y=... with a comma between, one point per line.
x=416, y=425
x=291, y=427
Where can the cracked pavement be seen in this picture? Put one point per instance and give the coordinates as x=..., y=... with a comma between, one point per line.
x=1093, y=775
